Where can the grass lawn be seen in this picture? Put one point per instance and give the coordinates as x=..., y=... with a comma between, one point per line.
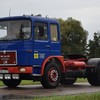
x=1, y=83
x=92, y=96
x=79, y=80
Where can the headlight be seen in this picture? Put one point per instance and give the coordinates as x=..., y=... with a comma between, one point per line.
x=22, y=70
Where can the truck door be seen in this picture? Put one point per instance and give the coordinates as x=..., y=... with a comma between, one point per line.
x=41, y=43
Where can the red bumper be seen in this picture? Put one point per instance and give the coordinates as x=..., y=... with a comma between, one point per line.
x=17, y=69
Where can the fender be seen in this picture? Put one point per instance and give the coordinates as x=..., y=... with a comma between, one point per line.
x=94, y=62
x=60, y=58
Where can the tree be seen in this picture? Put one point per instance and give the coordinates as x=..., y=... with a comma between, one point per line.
x=74, y=37
x=94, y=46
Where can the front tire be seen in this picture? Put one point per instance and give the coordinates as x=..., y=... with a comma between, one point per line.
x=12, y=83
x=52, y=76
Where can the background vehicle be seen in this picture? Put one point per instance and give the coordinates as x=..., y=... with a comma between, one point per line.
x=30, y=49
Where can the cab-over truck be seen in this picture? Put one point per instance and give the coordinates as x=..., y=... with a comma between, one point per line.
x=30, y=49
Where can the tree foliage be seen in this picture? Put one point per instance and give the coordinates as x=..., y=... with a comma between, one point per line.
x=73, y=36
x=94, y=46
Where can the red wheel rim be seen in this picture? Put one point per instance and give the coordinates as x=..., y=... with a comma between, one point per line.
x=53, y=75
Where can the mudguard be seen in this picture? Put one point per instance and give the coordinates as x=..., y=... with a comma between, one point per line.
x=94, y=62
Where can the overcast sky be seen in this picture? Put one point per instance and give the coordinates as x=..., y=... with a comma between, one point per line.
x=86, y=11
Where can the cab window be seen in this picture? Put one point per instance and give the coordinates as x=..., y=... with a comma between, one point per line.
x=54, y=32
x=40, y=31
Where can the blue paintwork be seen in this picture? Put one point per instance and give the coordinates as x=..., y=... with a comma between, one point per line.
x=25, y=58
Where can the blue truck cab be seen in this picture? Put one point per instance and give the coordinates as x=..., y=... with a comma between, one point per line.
x=27, y=43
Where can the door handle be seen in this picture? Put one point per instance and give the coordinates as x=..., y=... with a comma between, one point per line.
x=48, y=46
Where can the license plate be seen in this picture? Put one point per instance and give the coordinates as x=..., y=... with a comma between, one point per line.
x=4, y=71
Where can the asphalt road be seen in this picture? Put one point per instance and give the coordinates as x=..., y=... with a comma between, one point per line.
x=31, y=91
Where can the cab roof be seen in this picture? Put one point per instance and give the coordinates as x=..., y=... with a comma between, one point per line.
x=37, y=18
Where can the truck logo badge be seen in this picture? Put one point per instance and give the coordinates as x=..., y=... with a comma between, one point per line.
x=36, y=56
x=39, y=55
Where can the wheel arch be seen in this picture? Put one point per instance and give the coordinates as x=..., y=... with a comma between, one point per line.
x=59, y=60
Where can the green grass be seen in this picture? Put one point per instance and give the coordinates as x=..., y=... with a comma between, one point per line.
x=81, y=80
x=1, y=83
x=92, y=96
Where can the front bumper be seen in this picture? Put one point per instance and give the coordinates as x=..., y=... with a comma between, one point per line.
x=16, y=70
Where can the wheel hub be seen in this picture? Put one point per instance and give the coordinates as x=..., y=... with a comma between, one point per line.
x=53, y=75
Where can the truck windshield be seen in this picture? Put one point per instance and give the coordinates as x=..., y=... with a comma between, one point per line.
x=15, y=30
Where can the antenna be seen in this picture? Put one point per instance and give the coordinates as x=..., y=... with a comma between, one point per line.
x=10, y=12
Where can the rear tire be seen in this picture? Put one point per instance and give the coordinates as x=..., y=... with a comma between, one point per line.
x=12, y=83
x=94, y=77
x=51, y=77
x=93, y=80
